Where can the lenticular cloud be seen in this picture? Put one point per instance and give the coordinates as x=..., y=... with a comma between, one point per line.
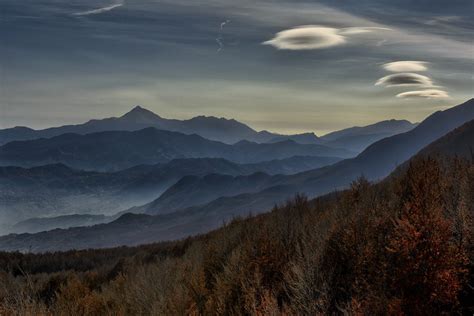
x=361, y=30
x=309, y=37
x=428, y=94
x=405, y=66
x=404, y=79
x=306, y=38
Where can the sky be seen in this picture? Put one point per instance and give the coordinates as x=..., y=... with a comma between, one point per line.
x=287, y=66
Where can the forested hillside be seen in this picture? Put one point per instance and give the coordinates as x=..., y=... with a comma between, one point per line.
x=400, y=247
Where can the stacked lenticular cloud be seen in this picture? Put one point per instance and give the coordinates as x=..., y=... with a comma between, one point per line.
x=404, y=75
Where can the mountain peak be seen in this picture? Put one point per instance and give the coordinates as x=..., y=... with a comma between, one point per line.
x=140, y=114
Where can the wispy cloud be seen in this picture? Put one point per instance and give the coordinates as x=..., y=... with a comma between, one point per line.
x=99, y=10
x=444, y=19
x=405, y=66
x=361, y=30
x=405, y=79
x=427, y=94
x=224, y=23
x=219, y=38
x=308, y=37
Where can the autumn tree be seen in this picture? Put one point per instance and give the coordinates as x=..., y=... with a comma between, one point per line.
x=426, y=268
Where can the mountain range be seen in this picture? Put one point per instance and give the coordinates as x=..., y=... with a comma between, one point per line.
x=116, y=150
x=219, y=129
x=45, y=194
x=375, y=162
x=224, y=130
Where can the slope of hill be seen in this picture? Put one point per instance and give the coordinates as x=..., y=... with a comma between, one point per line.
x=53, y=190
x=358, y=138
x=383, y=127
x=459, y=142
x=192, y=190
x=219, y=129
x=383, y=155
x=137, y=229
x=115, y=150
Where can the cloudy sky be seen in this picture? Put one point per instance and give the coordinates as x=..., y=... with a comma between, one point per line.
x=282, y=65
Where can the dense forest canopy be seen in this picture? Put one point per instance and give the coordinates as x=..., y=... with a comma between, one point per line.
x=401, y=246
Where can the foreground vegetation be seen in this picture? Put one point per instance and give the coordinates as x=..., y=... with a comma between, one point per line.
x=402, y=246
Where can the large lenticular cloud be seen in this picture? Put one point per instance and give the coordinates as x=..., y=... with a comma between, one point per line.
x=405, y=79
x=309, y=37
x=306, y=38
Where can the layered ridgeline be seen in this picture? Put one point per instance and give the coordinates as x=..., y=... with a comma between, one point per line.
x=375, y=162
x=220, y=129
x=115, y=150
x=54, y=190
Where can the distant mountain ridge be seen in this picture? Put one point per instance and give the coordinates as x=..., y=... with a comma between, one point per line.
x=394, y=126
x=219, y=129
x=116, y=150
x=224, y=130
x=375, y=162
